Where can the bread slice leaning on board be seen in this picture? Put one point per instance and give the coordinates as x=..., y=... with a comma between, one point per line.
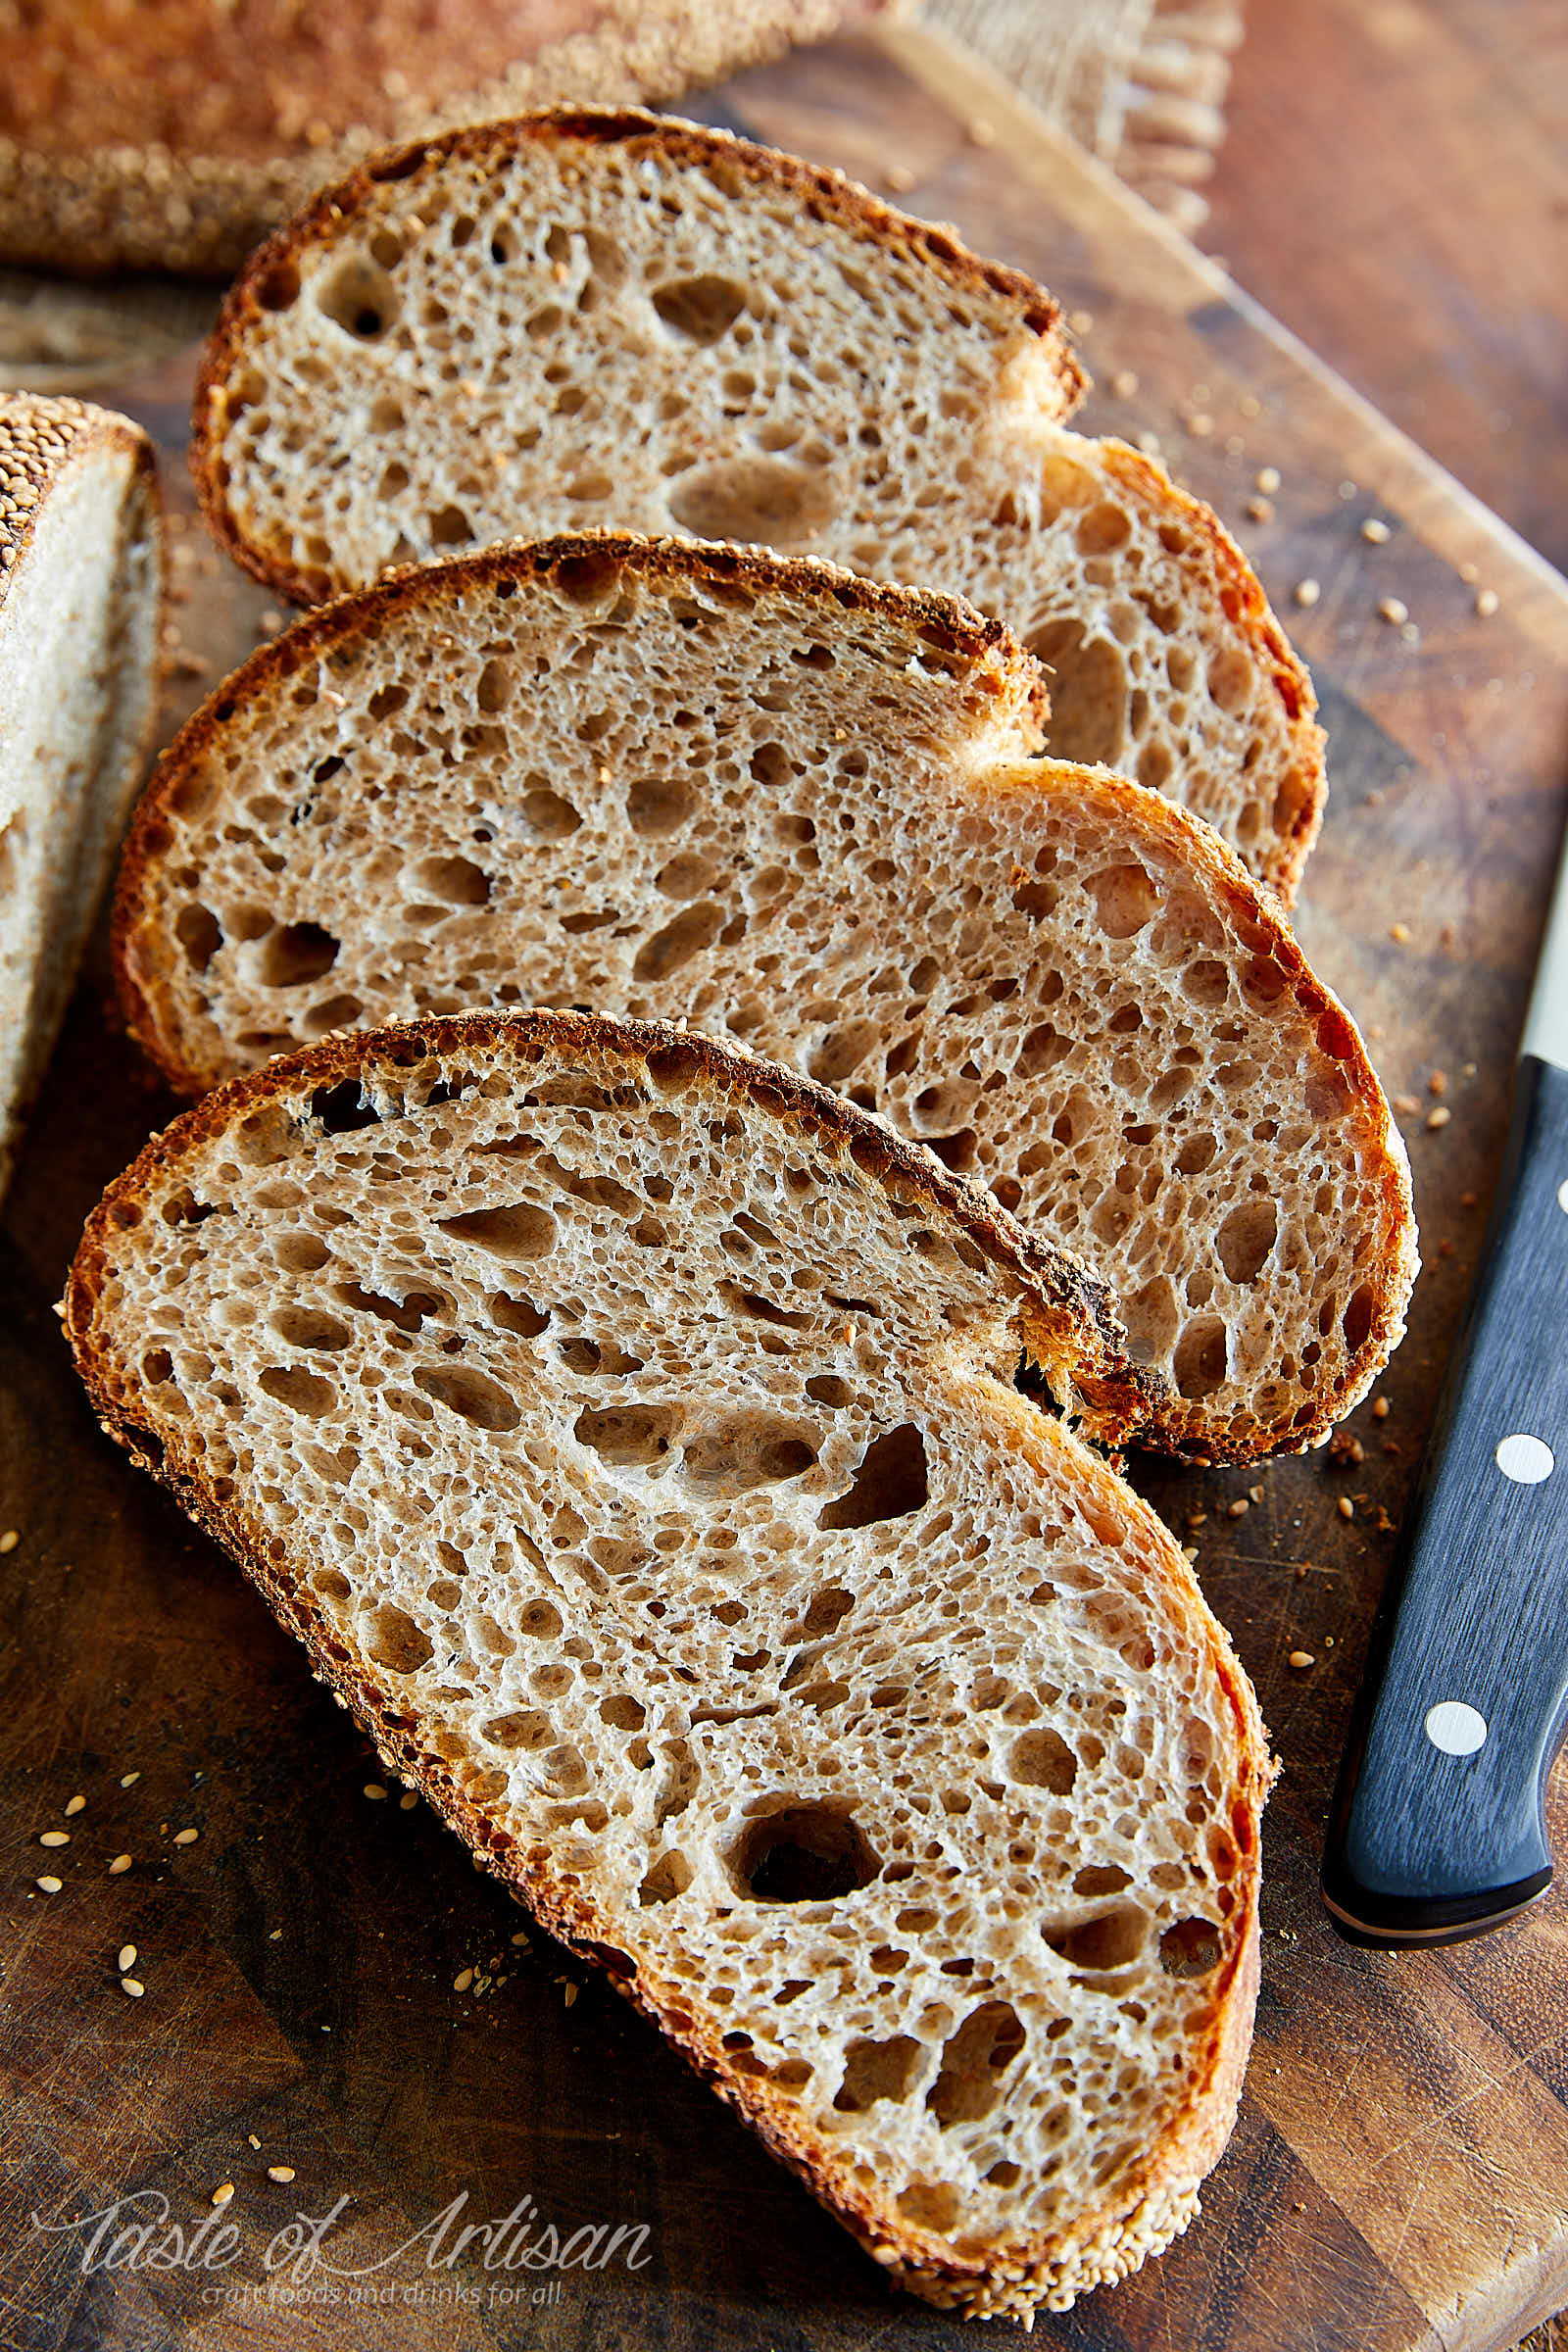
x=680, y=781
x=80, y=596
x=628, y=1429
x=597, y=318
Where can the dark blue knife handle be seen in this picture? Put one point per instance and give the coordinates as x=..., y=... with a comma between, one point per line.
x=1425, y=1844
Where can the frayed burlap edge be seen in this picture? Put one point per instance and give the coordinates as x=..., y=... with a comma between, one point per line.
x=1141, y=83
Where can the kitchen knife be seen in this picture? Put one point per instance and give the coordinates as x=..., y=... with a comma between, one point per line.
x=1437, y=1828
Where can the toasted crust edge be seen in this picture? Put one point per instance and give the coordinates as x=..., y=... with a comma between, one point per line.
x=1050, y=2272
x=336, y=209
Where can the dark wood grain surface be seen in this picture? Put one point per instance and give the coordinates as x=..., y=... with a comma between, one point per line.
x=1400, y=2175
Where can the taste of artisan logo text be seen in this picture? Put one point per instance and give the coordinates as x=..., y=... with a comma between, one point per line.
x=139, y=2234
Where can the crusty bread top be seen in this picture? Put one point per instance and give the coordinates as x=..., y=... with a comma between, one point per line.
x=730, y=1539
x=659, y=778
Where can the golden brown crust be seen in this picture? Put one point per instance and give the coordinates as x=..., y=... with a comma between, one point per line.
x=1299, y=804
x=220, y=119
x=1151, y=2205
x=823, y=193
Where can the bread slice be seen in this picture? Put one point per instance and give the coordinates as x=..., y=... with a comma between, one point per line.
x=677, y=781
x=603, y=319
x=174, y=137
x=80, y=589
x=628, y=1429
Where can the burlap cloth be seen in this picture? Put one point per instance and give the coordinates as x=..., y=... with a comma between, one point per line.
x=1141, y=83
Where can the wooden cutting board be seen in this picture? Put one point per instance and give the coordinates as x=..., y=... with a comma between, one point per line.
x=1400, y=2175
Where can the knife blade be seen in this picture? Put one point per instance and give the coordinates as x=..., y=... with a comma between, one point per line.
x=1438, y=1827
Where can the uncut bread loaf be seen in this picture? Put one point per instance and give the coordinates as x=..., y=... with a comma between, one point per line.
x=80, y=590
x=174, y=137
x=584, y=319
x=802, y=810
x=628, y=1429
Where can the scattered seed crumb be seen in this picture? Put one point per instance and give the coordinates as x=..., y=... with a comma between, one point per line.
x=1444, y=1247
x=1261, y=510
x=1254, y=1493
x=1468, y=1200
x=1238, y=1508
x=1438, y=1118
x=10, y=1540
x=1346, y=1507
x=569, y=1994
x=1266, y=479
x=128, y=1779
x=1344, y=1448
x=1486, y=603
x=463, y=1979
x=1082, y=323
x=270, y=622
x=1380, y=1408
x=1393, y=611
x=55, y=1838
x=1375, y=532
x=132, y=1987
x=1469, y=573
x=1307, y=592
x=1147, y=442
x=1438, y=1083
x=1300, y=1659
x=1300, y=1573
x=1347, y=489
x=900, y=178
x=222, y=2192
x=275, y=1936
x=127, y=1960
x=1407, y=1105
x=520, y=1938
x=376, y=1792
x=121, y=1862
x=1409, y=632
x=1399, y=933
x=1197, y=1519
x=48, y=1886
x=76, y=1805
x=407, y=1801
x=981, y=134
x=251, y=2136
x=186, y=1836
x=281, y=2172
x=1200, y=425
x=1124, y=383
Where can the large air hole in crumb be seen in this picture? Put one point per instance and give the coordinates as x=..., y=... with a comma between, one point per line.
x=394, y=1640
x=198, y=931
x=1125, y=899
x=878, y=2070
x=803, y=1854
x=889, y=1483
x=1115, y=1940
x=1087, y=718
x=468, y=1394
x=745, y=1452
x=455, y=881
x=752, y=499
x=691, y=930
x=627, y=1436
x=698, y=309
x=973, y=2060
x=1041, y=1759
x=358, y=296
x=1358, y=1321
x=298, y=952
x=1200, y=1364
x=1191, y=1948
x=934, y=2205
x=548, y=816
x=670, y=1877
x=1245, y=1239
x=517, y=1231
x=301, y=1391
x=308, y=1327
x=528, y=1728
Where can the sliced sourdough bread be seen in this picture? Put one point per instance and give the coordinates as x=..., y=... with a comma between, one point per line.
x=801, y=810
x=603, y=319
x=80, y=589
x=628, y=1429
